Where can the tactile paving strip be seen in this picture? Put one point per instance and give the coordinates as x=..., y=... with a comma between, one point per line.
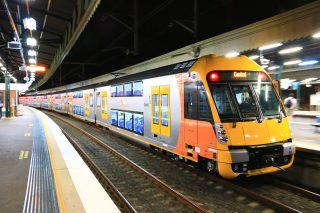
x=41, y=193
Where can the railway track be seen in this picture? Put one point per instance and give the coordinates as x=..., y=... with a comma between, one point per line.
x=125, y=178
x=212, y=193
x=299, y=199
x=297, y=190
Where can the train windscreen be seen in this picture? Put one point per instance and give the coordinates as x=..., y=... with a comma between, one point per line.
x=249, y=98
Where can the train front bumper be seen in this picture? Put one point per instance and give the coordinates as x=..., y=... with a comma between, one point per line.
x=255, y=160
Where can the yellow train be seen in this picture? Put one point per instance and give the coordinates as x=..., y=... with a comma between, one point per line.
x=223, y=113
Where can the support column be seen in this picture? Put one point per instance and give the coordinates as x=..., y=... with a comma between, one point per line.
x=7, y=95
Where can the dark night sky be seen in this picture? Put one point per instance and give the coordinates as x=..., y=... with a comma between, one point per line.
x=104, y=45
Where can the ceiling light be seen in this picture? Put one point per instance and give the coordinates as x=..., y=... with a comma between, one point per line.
x=3, y=68
x=317, y=35
x=31, y=41
x=274, y=67
x=308, y=80
x=1, y=65
x=292, y=62
x=264, y=66
x=253, y=57
x=290, y=50
x=232, y=54
x=29, y=23
x=32, y=61
x=32, y=53
x=305, y=63
x=33, y=68
x=270, y=46
x=308, y=85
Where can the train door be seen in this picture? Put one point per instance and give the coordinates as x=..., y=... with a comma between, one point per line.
x=190, y=116
x=104, y=106
x=160, y=114
x=86, y=104
x=70, y=100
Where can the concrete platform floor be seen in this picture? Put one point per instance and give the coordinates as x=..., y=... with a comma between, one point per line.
x=16, y=139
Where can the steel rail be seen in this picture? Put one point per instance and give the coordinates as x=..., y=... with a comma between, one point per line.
x=296, y=189
x=186, y=201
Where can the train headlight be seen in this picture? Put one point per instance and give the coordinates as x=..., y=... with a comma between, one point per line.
x=221, y=133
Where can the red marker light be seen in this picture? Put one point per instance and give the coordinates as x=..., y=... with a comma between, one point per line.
x=262, y=76
x=213, y=76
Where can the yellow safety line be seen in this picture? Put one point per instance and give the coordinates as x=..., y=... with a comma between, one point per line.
x=21, y=154
x=53, y=164
x=26, y=153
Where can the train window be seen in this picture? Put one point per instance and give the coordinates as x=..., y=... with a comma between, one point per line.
x=245, y=100
x=164, y=110
x=190, y=100
x=138, y=123
x=128, y=89
x=121, y=119
x=223, y=100
x=128, y=121
x=98, y=101
x=113, y=91
x=155, y=101
x=268, y=100
x=91, y=100
x=137, y=88
x=120, y=90
x=114, y=118
x=104, y=104
x=203, y=105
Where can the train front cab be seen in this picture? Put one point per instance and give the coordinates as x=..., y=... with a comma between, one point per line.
x=252, y=134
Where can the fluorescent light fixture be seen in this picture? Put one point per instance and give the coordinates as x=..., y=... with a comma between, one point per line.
x=32, y=61
x=270, y=46
x=308, y=85
x=287, y=63
x=32, y=53
x=308, y=80
x=274, y=67
x=317, y=35
x=264, y=66
x=31, y=41
x=33, y=68
x=29, y=23
x=1, y=65
x=232, y=54
x=306, y=63
x=3, y=68
x=290, y=50
x=253, y=57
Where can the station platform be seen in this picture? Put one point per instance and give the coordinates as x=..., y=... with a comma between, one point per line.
x=305, y=135
x=40, y=171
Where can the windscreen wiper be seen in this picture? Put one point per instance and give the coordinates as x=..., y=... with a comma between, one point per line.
x=280, y=116
x=234, y=124
x=259, y=119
